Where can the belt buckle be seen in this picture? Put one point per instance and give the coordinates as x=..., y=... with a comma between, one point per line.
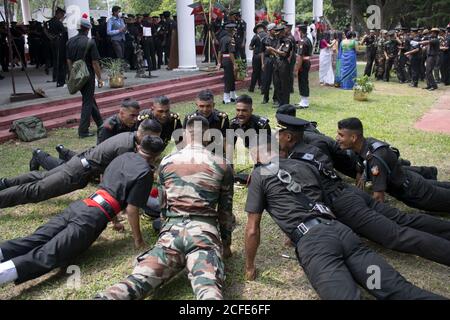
x=85, y=163
x=98, y=198
x=303, y=228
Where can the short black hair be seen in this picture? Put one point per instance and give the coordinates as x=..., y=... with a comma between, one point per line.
x=150, y=144
x=130, y=103
x=150, y=125
x=116, y=8
x=204, y=122
x=353, y=124
x=162, y=100
x=245, y=99
x=205, y=95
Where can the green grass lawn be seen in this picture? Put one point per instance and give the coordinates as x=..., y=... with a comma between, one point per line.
x=389, y=115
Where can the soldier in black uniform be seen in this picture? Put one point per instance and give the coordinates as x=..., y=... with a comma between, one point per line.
x=293, y=57
x=217, y=119
x=418, y=234
x=424, y=53
x=132, y=36
x=282, y=67
x=158, y=29
x=432, y=55
x=169, y=25
x=268, y=60
x=241, y=34
x=333, y=257
x=169, y=121
x=124, y=121
x=390, y=52
x=256, y=46
x=245, y=120
x=148, y=44
x=381, y=166
x=58, y=39
x=227, y=59
x=304, y=53
x=126, y=184
x=414, y=54
x=371, y=50
x=37, y=186
x=4, y=48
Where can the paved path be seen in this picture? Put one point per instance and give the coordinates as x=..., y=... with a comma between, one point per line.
x=438, y=118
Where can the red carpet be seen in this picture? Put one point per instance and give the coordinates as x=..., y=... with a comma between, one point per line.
x=438, y=118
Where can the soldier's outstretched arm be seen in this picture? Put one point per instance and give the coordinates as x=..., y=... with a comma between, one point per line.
x=252, y=240
x=133, y=219
x=227, y=220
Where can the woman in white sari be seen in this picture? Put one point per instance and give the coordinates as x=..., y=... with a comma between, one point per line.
x=326, y=73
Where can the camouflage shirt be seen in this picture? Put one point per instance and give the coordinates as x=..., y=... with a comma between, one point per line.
x=195, y=182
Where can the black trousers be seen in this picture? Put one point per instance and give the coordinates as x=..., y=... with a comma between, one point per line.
x=423, y=194
x=48, y=162
x=257, y=72
x=267, y=77
x=303, y=79
x=387, y=72
x=56, y=243
x=229, y=81
x=431, y=62
x=118, y=47
x=370, y=57
x=149, y=52
x=336, y=261
x=89, y=107
x=415, y=70
x=422, y=67
x=419, y=234
x=281, y=81
x=37, y=186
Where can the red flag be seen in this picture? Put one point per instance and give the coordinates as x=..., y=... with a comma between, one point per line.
x=13, y=1
x=197, y=8
x=218, y=10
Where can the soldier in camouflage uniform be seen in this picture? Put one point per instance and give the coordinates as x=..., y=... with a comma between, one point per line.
x=170, y=121
x=380, y=58
x=196, y=190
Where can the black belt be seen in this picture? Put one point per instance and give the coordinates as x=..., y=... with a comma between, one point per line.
x=303, y=228
x=333, y=195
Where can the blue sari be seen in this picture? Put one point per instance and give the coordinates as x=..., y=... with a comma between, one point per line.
x=347, y=66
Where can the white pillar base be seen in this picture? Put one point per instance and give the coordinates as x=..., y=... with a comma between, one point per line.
x=187, y=69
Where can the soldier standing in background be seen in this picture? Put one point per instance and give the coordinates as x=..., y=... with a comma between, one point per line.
x=390, y=52
x=256, y=46
x=414, y=55
x=268, y=60
x=370, y=41
x=227, y=60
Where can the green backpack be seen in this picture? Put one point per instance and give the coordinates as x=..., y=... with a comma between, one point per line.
x=29, y=129
x=79, y=74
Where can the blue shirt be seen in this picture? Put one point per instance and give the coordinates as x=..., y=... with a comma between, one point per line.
x=113, y=28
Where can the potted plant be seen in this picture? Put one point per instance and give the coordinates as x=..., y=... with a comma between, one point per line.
x=241, y=71
x=363, y=86
x=115, y=69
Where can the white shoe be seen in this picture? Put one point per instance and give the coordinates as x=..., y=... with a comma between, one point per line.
x=226, y=98
x=233, y=95
x=8, y=272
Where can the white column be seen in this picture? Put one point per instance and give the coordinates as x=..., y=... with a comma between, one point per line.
x=289, y=13
x=248, y=15
x=74, y=10
x=187, y=56
x=317, y=9
x=26, y=13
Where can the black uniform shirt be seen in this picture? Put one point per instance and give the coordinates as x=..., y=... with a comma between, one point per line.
x=227, y=45
x=305, y=47
x=168, y=128
x=76, y=49
x=217, y=120
x=100, y=157
x=113, y=126
x=56, y=27
x=434, y=47
x=255, y=122
x=267, y=192
x=241, y=28
x=415, y=45
x=370, y=41
x=269, y=42
x=129, y=180
x=377, y=172
x=286, y=46
x=256, y=43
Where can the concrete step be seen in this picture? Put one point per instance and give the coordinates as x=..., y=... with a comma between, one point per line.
x=71, y=120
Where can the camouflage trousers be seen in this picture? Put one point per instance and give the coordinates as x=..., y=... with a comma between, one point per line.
x=191, y=244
